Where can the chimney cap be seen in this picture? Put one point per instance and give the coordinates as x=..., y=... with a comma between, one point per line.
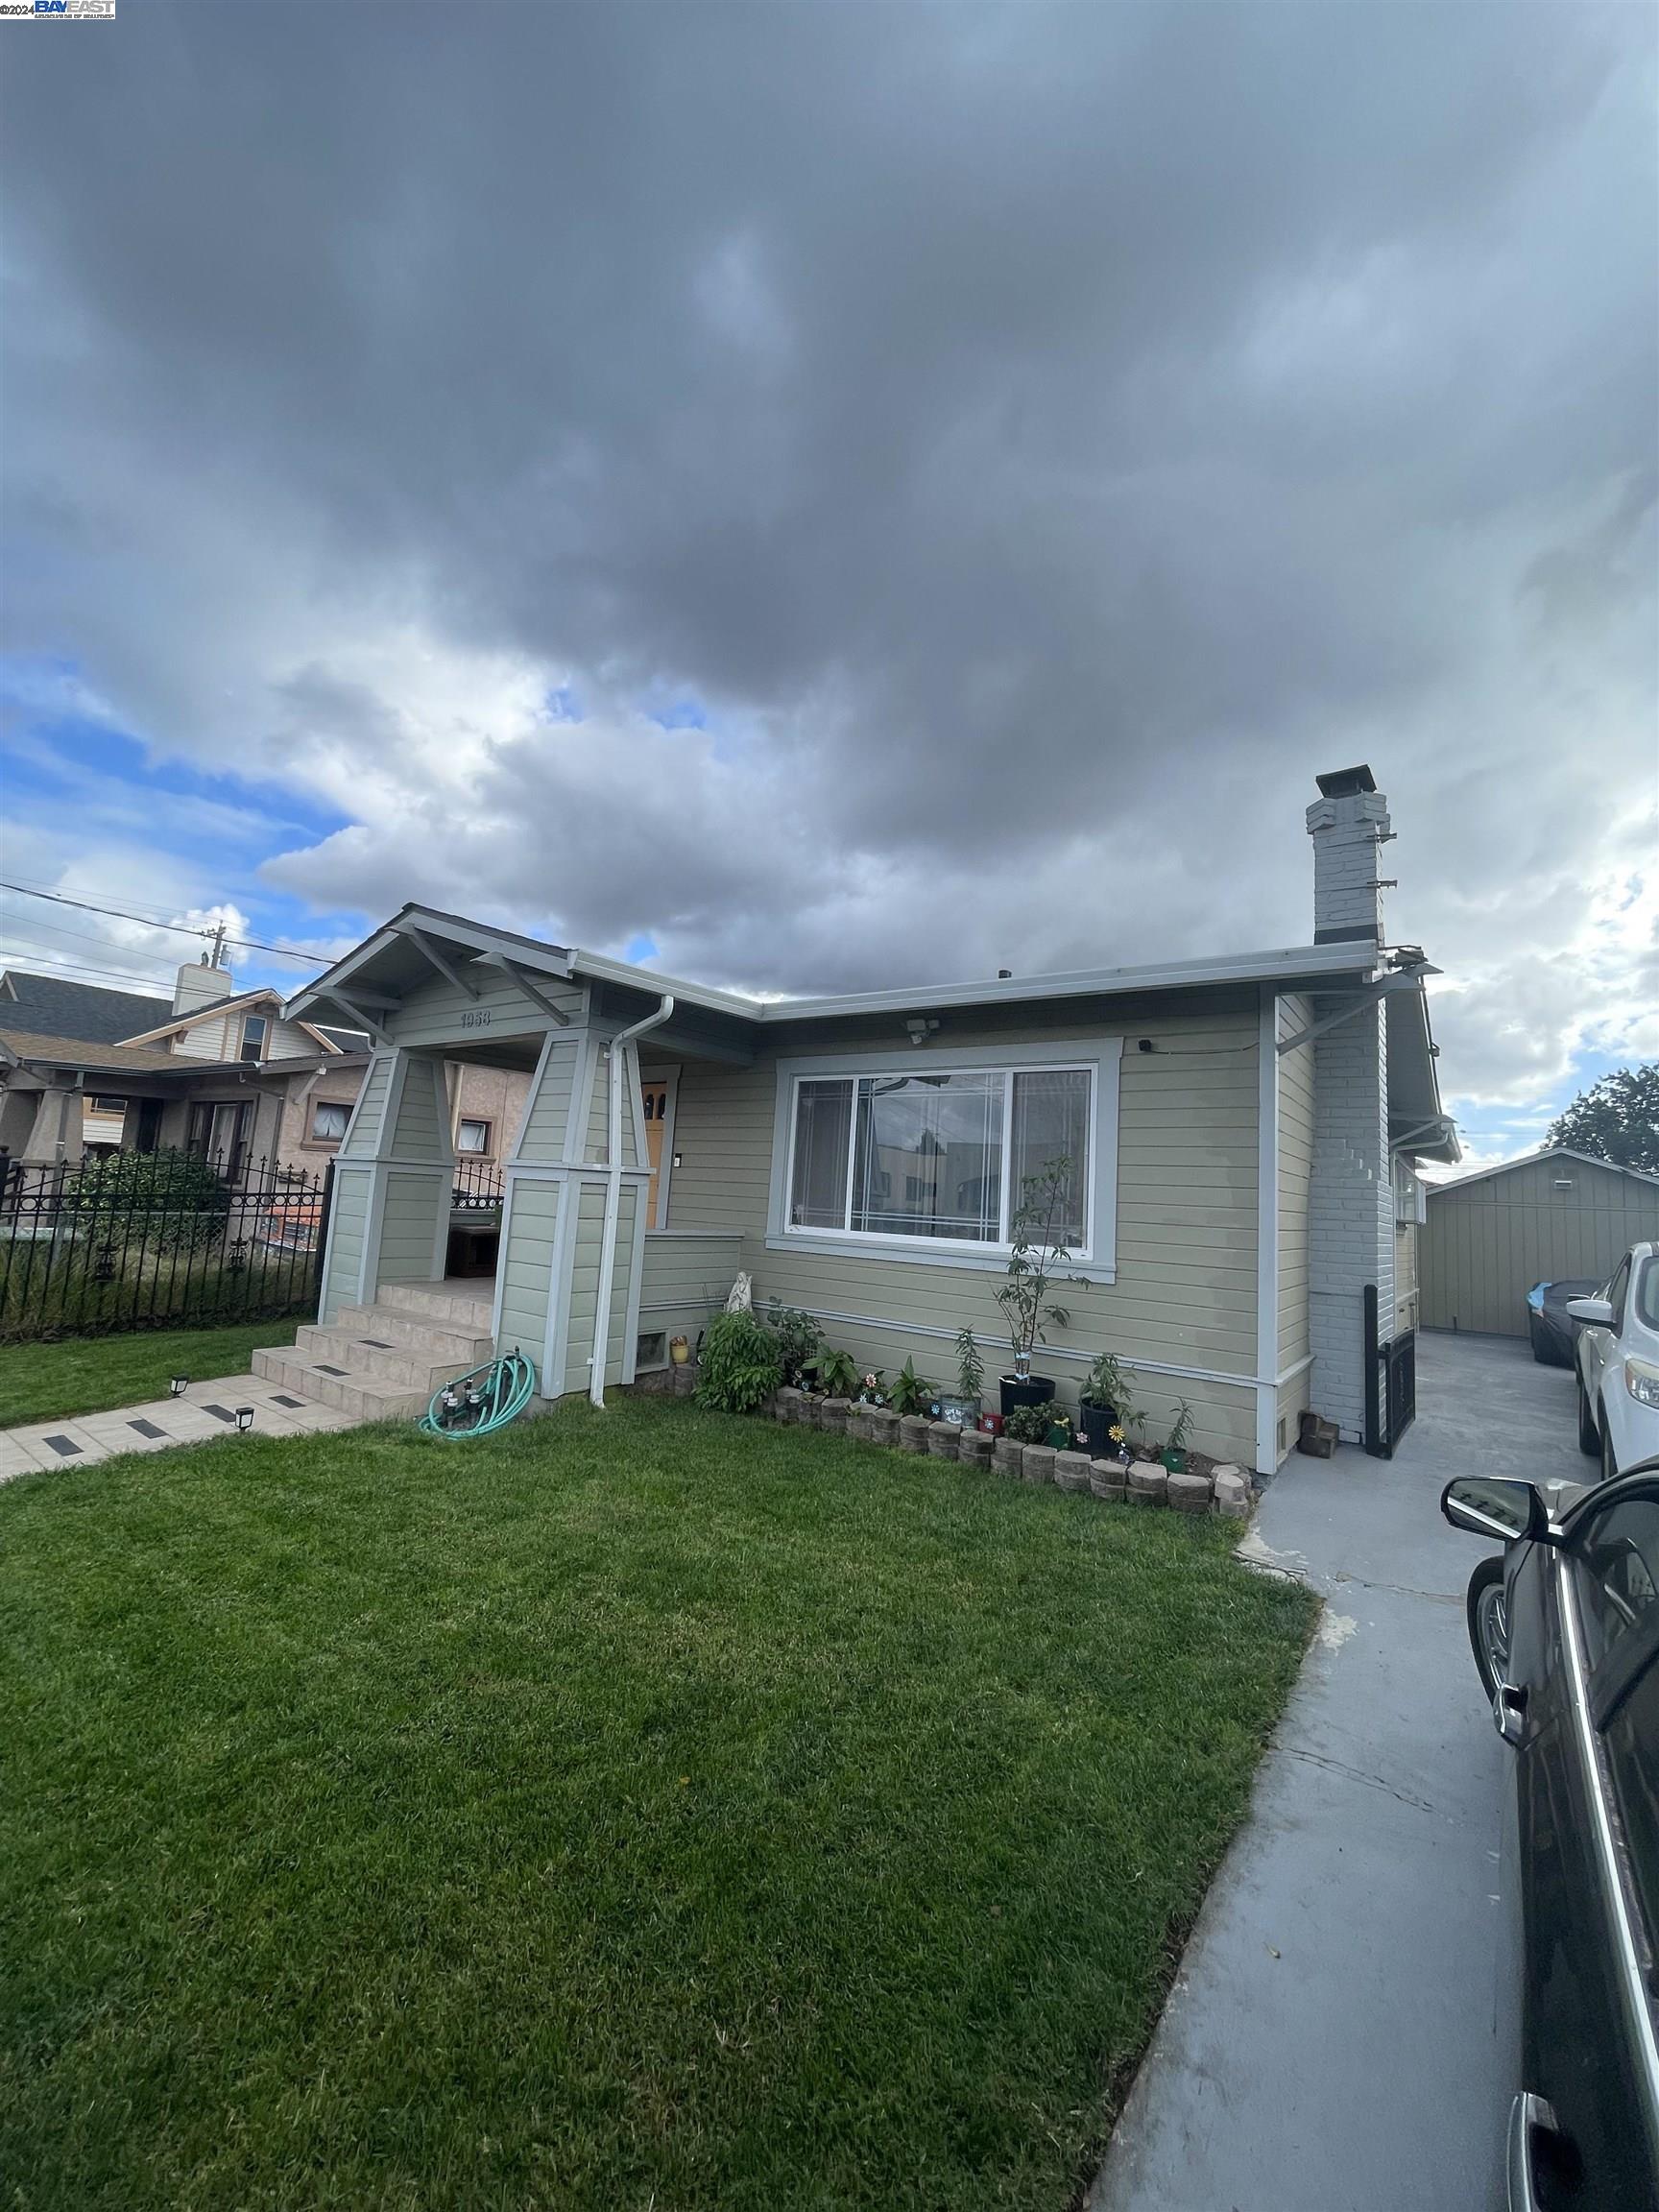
x=1344, y=783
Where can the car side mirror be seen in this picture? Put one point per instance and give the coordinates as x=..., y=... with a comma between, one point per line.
x=1597, y=1312
x=1494, y=1505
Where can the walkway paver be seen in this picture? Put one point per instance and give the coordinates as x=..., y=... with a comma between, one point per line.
x=206, y=1409
x=1342, y=2034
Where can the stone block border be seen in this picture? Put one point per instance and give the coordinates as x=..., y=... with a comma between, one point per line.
x=1227, y=1491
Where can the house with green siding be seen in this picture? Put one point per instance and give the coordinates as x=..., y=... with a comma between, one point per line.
x=1237, y=1128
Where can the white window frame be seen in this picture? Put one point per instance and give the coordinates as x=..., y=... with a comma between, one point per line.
x=328, y=1106
x=484, y=1152
x=1411, y=1196
x=1100, y=1057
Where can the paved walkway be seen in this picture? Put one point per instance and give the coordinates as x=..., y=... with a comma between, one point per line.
x=206, y=1409
x=1342, y=2034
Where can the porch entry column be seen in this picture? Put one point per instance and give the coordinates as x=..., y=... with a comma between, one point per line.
x=555, y=1230
x=393, y=1180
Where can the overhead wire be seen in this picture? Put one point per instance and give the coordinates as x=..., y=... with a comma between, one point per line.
x=179, y=929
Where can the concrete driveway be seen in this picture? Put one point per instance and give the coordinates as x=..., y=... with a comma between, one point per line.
x=1341, y=2035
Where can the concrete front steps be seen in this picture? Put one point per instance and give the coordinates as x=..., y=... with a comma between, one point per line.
x=383, y=1362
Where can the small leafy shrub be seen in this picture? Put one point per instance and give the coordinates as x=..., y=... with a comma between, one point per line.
x=742, y=1364
x=1030, y=1423
x=911, y=1392
x=800, y=1340
x=837, y=1374
x=1183, y=1426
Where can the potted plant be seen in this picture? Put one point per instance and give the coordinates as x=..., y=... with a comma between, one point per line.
x=1038, y=1250
x=963, y=1404
x=910, y=1391
x=1102, y=1406
x=1174, y=1452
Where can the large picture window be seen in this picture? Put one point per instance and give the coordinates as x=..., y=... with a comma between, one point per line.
x=938, y=1155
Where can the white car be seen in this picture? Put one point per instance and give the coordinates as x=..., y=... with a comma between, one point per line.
x=1618, y=1362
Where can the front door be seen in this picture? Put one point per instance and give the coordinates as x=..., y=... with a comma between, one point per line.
x=656, y=1096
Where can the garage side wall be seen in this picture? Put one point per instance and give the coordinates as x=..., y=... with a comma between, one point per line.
x=1486, y=1244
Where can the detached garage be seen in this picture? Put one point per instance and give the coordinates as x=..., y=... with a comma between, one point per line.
x=1488, y=1237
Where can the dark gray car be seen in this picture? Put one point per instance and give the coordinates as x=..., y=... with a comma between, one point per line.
x=1565, y=1626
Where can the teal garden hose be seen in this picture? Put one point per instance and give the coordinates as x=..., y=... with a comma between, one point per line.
x=479, y=1403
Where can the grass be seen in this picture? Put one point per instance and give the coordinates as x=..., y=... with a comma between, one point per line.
x=88, y=1374
x=643, y=1809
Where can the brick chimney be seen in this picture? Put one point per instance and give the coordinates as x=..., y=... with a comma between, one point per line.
x=1350, y=1199
x=1348, y=824
x=201, y=984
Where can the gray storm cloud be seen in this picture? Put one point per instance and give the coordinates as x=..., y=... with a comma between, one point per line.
x=1040, y=439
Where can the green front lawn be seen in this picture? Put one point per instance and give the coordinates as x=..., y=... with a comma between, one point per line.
x=643, y=1809
x=90, y=1374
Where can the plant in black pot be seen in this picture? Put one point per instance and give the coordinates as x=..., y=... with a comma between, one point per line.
x=1102, y=1406
x=1035, y=1258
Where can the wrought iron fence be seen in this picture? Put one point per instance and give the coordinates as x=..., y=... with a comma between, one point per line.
x=132, y=1241
x=478, y=1186
x=1390, y=1381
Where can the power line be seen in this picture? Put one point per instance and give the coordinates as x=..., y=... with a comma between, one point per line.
x=83, y=937
x=63, y=973
x=179, y=929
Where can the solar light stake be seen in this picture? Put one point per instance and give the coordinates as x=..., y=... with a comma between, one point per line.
x=178, y=1386
x=244, y=1417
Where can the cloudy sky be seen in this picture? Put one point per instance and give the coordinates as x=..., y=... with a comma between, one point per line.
x=828, y=496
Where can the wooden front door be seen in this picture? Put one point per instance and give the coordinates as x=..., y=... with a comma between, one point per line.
x=656, y=1096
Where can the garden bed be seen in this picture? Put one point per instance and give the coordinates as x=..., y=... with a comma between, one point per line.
x=645, y=1806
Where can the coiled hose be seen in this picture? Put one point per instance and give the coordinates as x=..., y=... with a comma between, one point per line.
x=479, y=1403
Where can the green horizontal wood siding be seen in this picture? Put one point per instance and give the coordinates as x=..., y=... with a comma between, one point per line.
x=1185, y=1293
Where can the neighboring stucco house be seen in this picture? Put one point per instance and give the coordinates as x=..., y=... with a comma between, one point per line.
x=213, y=1069
x=1549, y=1215
x=1235, y=1124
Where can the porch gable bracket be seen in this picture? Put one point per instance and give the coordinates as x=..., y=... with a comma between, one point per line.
x=445, y=966
x=531, y=991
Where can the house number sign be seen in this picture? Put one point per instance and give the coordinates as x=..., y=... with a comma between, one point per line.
x=478, y=1018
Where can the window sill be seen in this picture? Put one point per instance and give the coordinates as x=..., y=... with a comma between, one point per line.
x=887, y=1248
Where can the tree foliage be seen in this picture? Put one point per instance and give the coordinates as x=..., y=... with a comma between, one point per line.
x=1616, y=1119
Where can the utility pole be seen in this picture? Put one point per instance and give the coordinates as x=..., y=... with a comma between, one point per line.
x=217, y=956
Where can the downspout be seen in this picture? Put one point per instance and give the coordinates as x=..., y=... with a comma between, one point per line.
x=613, y=1064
